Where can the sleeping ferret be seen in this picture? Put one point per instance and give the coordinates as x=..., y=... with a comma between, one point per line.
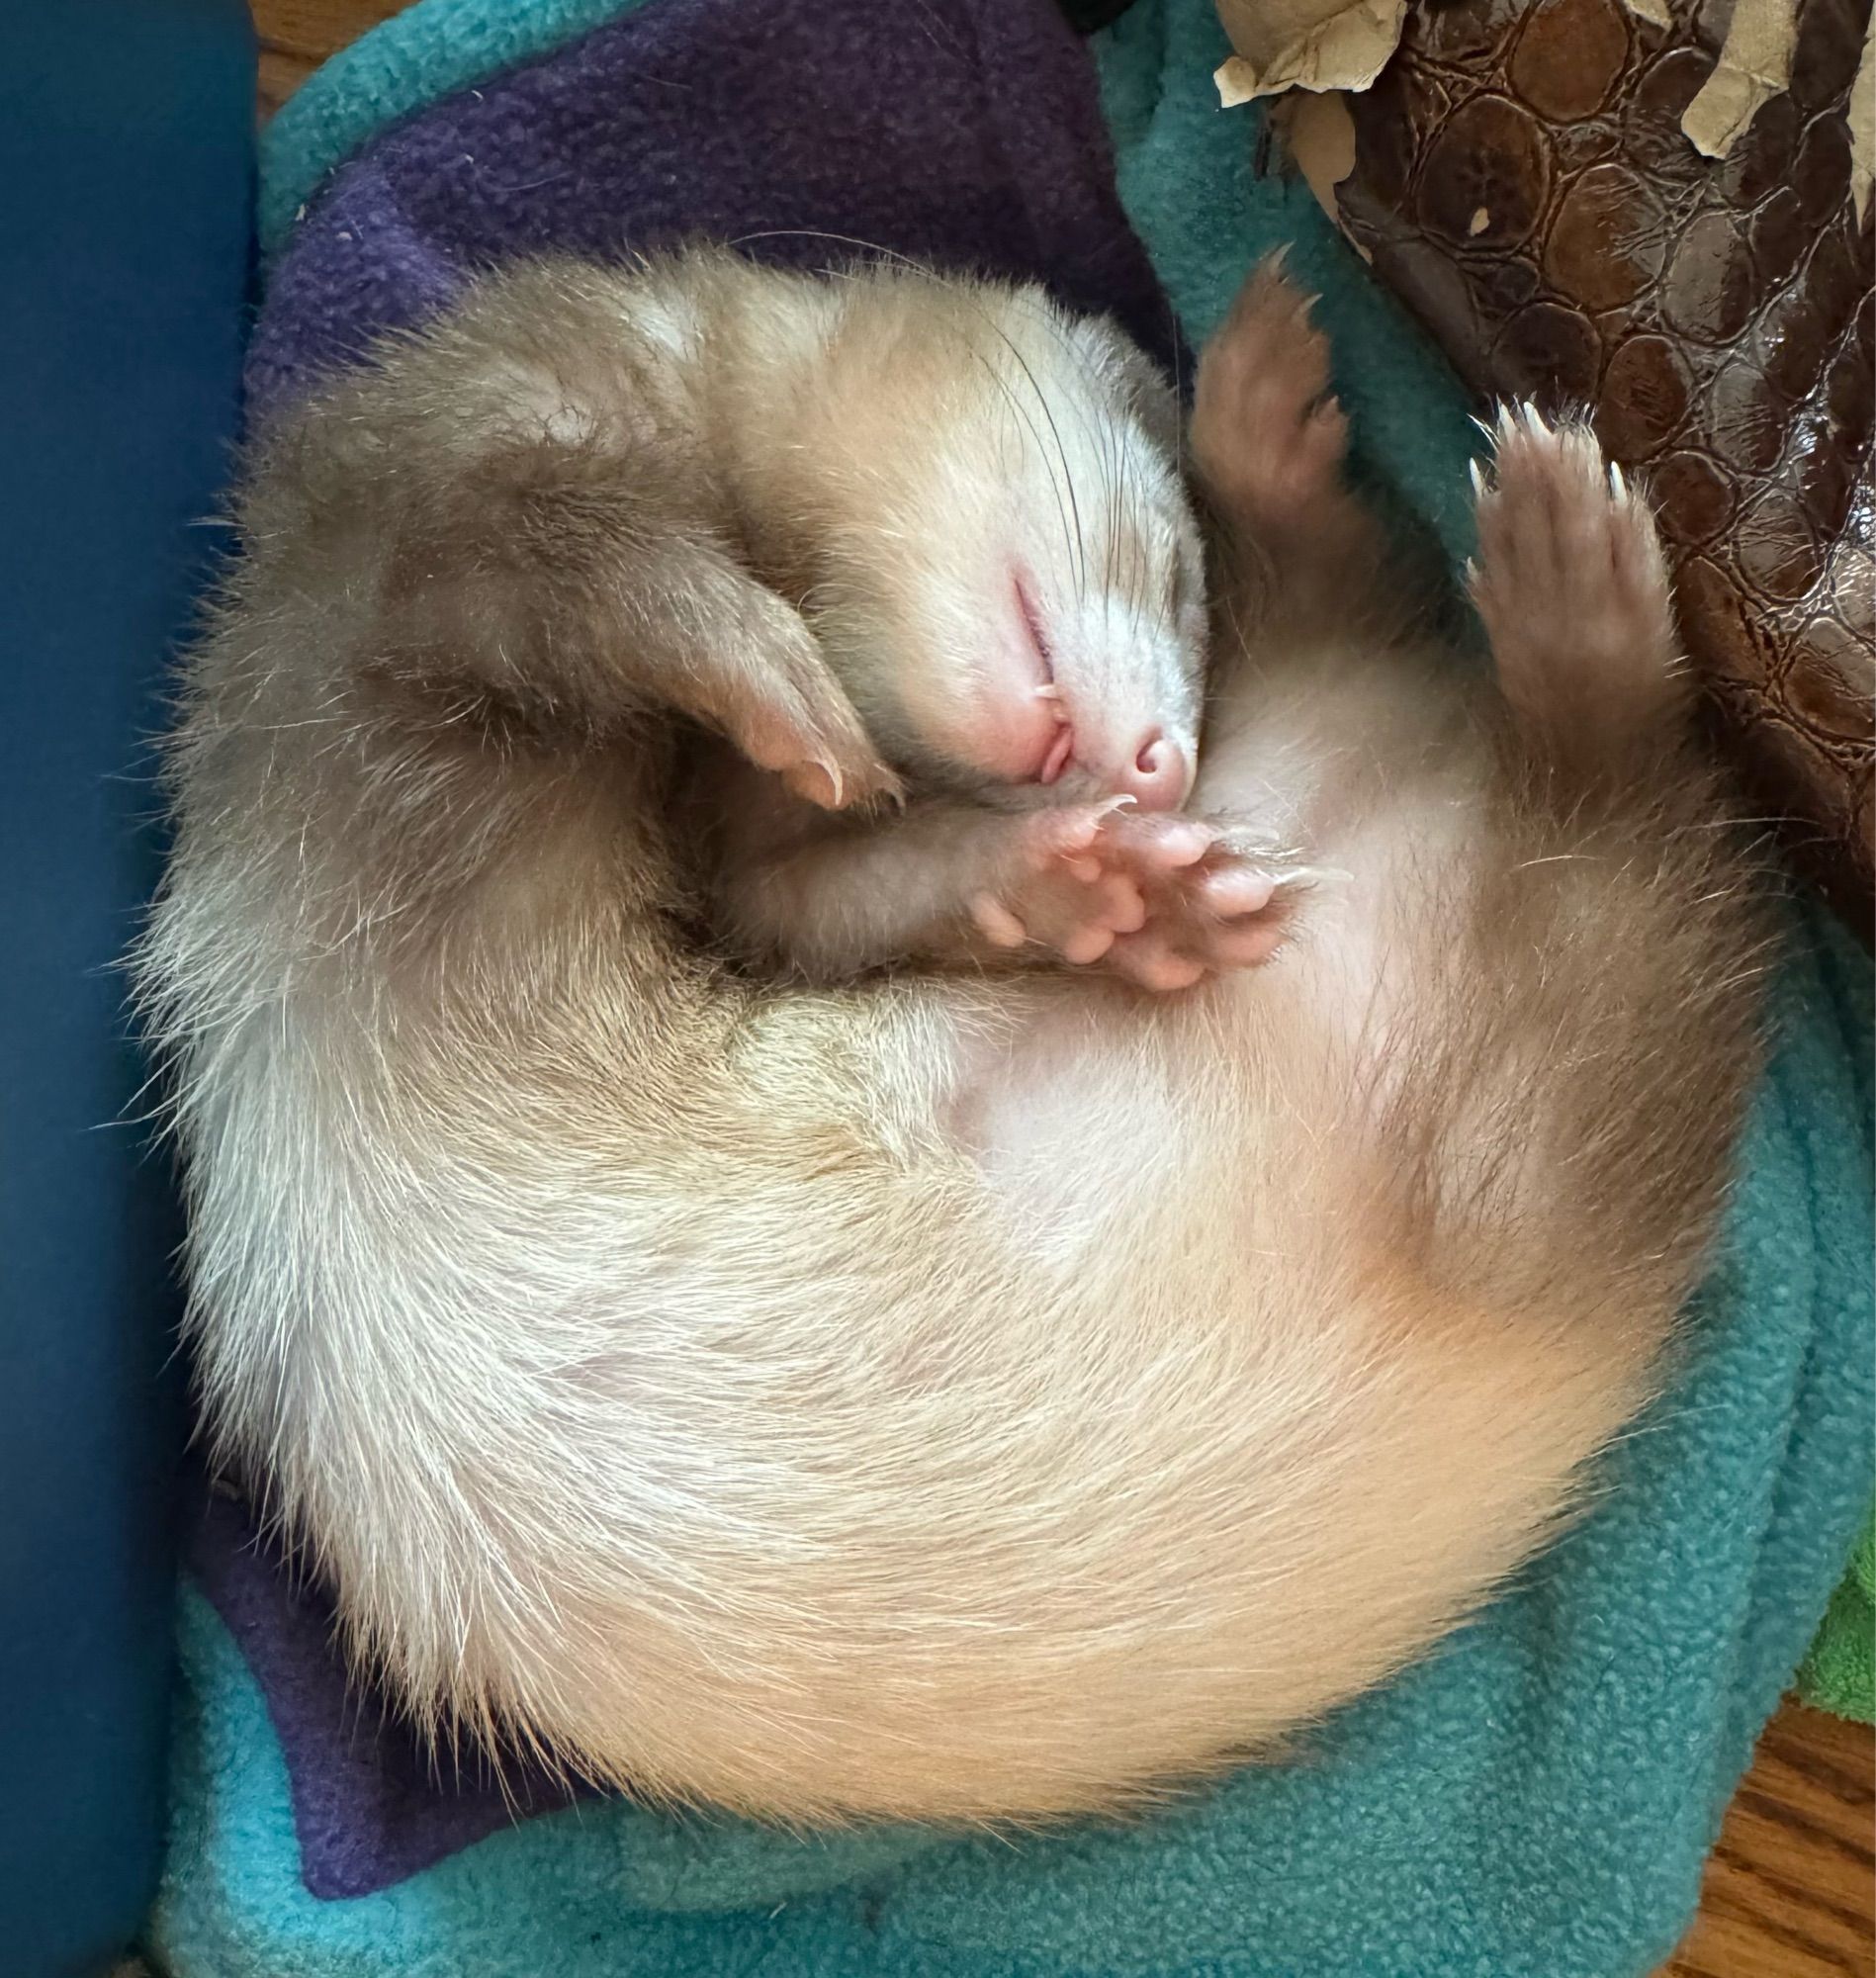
x=943, y=1391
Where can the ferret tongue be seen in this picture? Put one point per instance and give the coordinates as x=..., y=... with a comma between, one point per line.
x=1061, y=751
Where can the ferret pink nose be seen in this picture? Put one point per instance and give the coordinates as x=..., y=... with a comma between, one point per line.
x=1159, y=776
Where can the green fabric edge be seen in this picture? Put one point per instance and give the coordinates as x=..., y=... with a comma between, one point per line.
x=1839, y=1672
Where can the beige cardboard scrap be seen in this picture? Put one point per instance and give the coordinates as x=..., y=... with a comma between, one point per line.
x=1863, y=125
x=1650, y=10
x=1319, y=132
x=1755, y=65
x=1315, y=44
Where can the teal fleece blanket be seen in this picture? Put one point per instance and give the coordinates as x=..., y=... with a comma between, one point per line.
x=1537, y=1797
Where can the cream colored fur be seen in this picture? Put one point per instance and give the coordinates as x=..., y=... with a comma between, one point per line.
x=951, y=1395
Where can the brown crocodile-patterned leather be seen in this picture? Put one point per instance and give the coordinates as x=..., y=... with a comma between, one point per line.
x=1523, y=182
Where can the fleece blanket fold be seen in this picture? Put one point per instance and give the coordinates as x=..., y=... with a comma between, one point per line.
x=1536, y=1797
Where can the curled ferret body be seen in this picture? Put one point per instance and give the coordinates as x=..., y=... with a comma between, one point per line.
x=941, y=1393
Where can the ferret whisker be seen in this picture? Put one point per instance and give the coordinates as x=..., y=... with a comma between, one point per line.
x=1069, y=536
x=1068, y=473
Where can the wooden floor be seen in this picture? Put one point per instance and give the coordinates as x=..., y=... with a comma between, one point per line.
x=297, y=36
x=1791, y=1889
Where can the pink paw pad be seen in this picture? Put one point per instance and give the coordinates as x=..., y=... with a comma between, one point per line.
x=1160, y=901
x=1229, y=914
x=1064, y=889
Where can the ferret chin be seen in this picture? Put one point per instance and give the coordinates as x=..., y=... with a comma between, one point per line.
x=952, y=1393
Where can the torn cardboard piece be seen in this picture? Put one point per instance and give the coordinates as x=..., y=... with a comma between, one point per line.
x=1652, y=11
x=1318, y=132
x=1755, y=65
x=1863, y=125
x=1310, y=44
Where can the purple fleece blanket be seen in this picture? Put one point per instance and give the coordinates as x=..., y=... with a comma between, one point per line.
x=966, y=133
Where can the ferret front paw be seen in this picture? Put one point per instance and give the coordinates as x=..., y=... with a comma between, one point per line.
x=1267, y=439
x=820, y=751
x=1162, y=901
x=1227, y=910
x=775, y=696
x=1570, y=582
x=1066, y=885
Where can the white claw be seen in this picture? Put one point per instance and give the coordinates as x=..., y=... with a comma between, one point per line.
x=1618, y=486
x=1478, y=479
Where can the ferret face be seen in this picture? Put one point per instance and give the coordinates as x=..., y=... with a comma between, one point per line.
x=1010, y=579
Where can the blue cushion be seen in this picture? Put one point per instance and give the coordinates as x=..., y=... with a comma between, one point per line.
x=126, y=170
